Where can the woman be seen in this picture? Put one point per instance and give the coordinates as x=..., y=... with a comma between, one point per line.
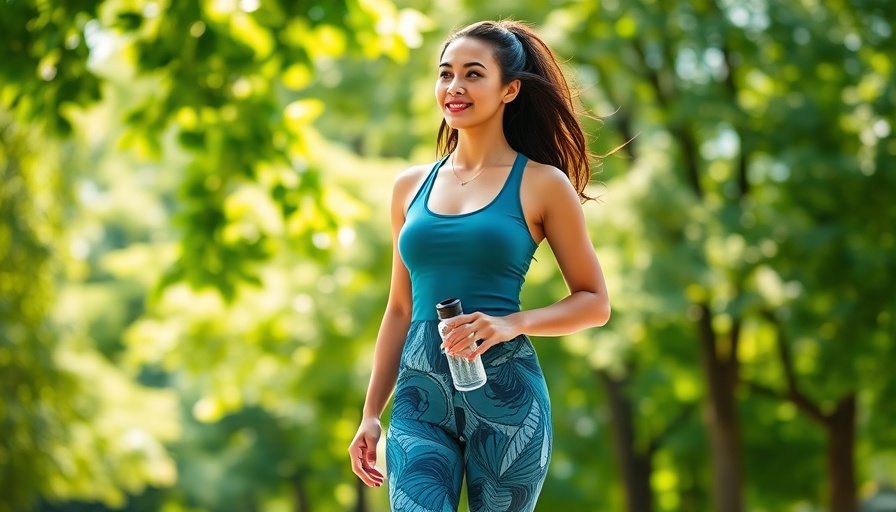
x=513, y=173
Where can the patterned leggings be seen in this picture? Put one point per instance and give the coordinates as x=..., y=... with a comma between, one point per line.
x=499, y=434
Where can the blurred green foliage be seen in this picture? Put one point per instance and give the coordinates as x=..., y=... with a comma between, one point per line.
x=194, y=251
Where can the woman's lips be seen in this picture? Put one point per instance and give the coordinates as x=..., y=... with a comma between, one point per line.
x=457, y=107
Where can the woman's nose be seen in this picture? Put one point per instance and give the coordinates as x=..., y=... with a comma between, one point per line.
x=454, y=88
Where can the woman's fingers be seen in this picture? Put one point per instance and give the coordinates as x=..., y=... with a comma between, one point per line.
x=374, y=476
x=473, y=334
x=461, y=339
x=480, y=349
x=366, y=471
x=463, y=333
x=363, y=455
x=463, y=346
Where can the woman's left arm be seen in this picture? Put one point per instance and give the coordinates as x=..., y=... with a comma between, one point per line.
x=562, y=220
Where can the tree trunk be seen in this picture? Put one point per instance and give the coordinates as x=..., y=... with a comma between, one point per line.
x=635, y=466
x=722, y=419
x=724, y=438
x=839, y=426
x=841, y=431
x=299, y=494
x=361, y=504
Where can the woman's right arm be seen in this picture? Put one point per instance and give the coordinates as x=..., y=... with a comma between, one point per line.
x=389, y=341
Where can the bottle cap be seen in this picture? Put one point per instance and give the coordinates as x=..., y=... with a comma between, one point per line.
x=449, y=308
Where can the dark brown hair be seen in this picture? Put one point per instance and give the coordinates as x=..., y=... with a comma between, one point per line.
x=541, y=122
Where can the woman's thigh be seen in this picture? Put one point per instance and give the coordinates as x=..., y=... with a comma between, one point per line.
x=507, y=429
x=424, y=466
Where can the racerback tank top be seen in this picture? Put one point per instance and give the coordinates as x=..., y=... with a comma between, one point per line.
x=480, y=257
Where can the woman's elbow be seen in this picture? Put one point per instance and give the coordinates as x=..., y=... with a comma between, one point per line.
x=601, y=311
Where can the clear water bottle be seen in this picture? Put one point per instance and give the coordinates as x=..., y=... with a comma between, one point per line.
x=467, y=375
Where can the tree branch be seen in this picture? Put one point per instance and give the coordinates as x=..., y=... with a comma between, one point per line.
x=657, y=441
x=765, y=391
x=678, y=130
x=689, y=155
x=743, y=184
x=704, y=325
x=652, y=75
x=732, y=362
x=793, y=393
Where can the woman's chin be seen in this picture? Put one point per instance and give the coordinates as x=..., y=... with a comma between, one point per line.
x=456, y=124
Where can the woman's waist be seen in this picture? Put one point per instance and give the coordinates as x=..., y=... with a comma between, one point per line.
x=425, y=310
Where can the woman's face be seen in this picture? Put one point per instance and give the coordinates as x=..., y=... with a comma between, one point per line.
x=469, y=88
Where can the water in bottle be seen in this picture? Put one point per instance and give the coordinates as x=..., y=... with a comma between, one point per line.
x=467, y=375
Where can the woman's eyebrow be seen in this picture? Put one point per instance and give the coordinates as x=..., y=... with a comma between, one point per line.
x=467, y=65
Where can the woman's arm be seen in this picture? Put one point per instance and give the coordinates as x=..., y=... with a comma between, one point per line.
x=563, y=224
x=557, y=213
x=397, y=317
x=389, y=342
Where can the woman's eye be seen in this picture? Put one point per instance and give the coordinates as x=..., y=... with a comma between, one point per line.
x=473, y=74
x=443, y=74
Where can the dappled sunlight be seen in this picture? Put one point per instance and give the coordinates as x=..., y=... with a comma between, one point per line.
x=195, y=250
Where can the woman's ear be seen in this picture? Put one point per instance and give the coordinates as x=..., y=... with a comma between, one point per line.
x=511, y=90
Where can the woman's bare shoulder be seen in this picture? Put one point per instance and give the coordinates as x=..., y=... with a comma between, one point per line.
x=412, y=174
x=546, y=175
x=408, y=182
x=544, y=184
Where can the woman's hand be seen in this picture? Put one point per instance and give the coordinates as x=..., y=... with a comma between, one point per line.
x=464, y=331
x=363, y=452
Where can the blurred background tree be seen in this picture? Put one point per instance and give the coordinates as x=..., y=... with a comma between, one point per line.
x=194, y=252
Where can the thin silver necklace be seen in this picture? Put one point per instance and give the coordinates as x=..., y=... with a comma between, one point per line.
x=464, y=183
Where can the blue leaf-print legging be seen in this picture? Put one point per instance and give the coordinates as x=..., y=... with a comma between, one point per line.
x=499, y=434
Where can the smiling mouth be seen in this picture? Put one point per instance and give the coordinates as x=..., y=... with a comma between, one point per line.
x=457, y=107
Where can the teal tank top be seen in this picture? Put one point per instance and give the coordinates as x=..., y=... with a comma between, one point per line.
x=480, y=257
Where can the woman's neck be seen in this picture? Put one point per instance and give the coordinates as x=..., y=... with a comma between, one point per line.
x=476, y=151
